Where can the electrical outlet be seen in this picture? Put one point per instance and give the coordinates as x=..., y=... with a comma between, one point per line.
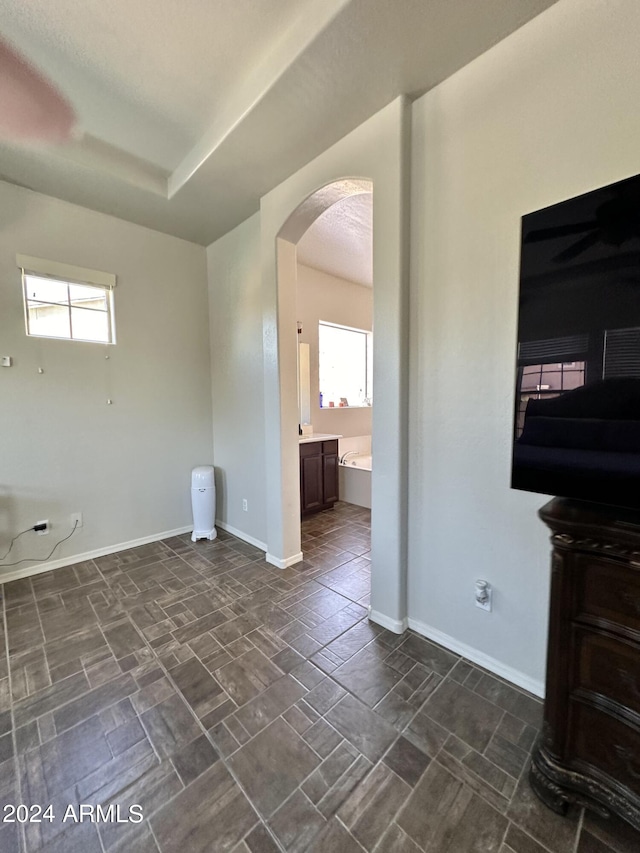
x=484, y=595
x=46, y=529
x=76, y=519
x=485, y=605
x=245, y=505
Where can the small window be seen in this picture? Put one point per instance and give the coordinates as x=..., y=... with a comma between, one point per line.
x=345, y=366
x=65, y=308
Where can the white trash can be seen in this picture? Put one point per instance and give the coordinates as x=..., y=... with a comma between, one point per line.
x=203, y=503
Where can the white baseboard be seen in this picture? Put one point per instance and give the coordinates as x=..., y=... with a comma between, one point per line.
x=398, y=626
x=516, y=677
x=283, y=564
x=240, y=535
x=88, y=555
x=40, y=568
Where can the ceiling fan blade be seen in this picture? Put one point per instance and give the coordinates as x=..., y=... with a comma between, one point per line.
x=559, y=231
x=577, y=248
x=31, y=108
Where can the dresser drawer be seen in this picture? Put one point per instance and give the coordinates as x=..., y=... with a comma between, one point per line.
x=610, y=667
x=606, y=744
x=609, y=591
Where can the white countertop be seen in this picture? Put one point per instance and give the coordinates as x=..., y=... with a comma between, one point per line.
x=316, y=436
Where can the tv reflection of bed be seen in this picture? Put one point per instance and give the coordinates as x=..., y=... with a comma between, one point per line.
x=583, y=444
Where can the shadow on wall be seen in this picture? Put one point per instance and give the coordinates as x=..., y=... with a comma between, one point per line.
x=220, y=478
x=6, y=518
x=16, y=211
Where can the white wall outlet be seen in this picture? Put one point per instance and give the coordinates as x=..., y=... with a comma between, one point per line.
x=484, y=595
x=46, y=529
x=245, y=505
x=6, y=361
x=76, y=519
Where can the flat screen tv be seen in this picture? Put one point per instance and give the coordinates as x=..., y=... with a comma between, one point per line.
x=576, y=427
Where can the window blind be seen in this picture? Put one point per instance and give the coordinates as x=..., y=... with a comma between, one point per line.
x=569, y=348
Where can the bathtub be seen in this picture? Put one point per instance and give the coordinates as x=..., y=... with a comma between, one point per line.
x=355, y=480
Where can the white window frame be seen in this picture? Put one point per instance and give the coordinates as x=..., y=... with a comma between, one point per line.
x=368, y=390
x=68, y=274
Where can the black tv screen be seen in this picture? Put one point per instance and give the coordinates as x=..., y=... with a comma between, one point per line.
x=577, y=398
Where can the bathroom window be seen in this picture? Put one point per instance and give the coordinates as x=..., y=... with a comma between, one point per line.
x=345, y=365
x=60, y=302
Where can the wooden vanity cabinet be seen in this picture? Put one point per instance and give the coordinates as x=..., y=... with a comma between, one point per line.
x=318, y=475
x=589, y=751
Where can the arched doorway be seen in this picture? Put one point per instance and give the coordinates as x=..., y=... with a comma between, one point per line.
x=293, y=229
x=334, y=299
x=289, y=235
x=380, y=151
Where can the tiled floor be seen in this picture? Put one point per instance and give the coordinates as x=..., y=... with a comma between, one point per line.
x=253, y=710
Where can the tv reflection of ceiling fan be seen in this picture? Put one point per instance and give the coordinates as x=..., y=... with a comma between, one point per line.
x=31, y=108
x=616, y=221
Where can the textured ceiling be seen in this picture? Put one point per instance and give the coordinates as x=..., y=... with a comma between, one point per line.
x=151, y=77
x=340, y=241
x=190, y=112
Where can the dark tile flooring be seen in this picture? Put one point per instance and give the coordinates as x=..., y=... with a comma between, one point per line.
x=253, y=710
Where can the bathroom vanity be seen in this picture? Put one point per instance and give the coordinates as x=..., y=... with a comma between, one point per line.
x=318, y=472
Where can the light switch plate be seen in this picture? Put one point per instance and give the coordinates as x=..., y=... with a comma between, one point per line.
x=6, y=361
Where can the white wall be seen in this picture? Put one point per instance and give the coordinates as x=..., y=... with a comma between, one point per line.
x=378, y=151
x=335, y=300
x=549, y=113
x=127, y=466
x=235, y=306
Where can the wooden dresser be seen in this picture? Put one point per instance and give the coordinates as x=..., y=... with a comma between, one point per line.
x=589, y=751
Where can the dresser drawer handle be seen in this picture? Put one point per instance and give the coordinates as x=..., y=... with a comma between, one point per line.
x=632, y=599
x=630, y=680
x=627, y=755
